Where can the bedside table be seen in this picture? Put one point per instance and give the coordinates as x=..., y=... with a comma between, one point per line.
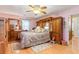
x=14, y=35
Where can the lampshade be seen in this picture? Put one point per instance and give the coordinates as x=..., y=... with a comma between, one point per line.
x=36, y=11
x=47, y=26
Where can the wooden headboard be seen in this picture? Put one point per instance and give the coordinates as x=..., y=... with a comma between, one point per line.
x=42, y=22
x=55, y=27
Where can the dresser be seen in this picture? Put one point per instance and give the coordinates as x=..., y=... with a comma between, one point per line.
x=13, y=35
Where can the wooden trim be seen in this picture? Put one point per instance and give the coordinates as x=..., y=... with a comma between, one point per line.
x=57, y=18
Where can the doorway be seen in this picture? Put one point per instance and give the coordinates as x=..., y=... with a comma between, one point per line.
x=74, y=32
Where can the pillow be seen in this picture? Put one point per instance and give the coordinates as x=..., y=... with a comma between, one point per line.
x=39, y=29
x=46, y=29
x=42, y=30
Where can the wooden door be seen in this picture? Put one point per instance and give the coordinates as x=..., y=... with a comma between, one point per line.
x=3, y=44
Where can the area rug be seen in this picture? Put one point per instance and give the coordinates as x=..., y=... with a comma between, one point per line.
x=41, y=47
x=15, y=45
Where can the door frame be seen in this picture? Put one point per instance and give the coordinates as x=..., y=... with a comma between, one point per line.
x=4, y=41
x=72, y=35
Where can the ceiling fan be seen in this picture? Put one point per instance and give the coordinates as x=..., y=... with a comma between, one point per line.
x=37, y=9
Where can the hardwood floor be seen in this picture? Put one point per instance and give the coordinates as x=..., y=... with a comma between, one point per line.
x=55, y=49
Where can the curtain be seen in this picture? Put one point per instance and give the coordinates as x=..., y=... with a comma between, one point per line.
x=25, y=24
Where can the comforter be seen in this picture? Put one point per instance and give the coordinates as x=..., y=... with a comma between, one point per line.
x=32, y=38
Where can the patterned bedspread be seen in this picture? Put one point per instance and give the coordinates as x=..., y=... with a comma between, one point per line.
x=33, y=38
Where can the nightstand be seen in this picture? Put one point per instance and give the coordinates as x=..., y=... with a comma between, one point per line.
x=13, y=35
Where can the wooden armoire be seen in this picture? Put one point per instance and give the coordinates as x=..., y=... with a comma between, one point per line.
x=55, y=27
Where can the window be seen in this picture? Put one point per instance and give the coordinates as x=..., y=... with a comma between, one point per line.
x=25, y=24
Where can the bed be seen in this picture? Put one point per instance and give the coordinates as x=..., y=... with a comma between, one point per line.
x=33, y=38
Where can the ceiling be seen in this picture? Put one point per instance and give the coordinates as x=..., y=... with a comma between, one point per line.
x=21, y=10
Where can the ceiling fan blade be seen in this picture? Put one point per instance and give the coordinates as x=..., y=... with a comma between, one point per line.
x=43, y=12
x=31, y=6
x=28, y=11
x=43, y=7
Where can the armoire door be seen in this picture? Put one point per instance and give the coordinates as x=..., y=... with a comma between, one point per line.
x=57, y=28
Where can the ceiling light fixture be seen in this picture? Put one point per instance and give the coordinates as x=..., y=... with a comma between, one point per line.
x=37, y=9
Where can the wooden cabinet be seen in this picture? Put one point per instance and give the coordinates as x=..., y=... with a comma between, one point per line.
x=43, y=22
x=13, y=35
x=40, y=23
x=57, y=29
